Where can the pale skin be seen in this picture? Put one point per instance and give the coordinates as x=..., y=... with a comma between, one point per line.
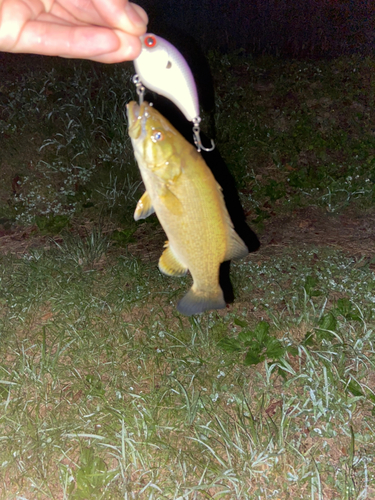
x=106, y=31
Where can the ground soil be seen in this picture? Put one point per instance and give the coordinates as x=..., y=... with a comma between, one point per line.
x=349, y=232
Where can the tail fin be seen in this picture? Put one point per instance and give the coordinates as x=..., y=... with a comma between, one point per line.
x=195, y=302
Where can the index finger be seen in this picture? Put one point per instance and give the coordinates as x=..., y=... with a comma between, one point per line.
x=82, y=42
x=121, y=14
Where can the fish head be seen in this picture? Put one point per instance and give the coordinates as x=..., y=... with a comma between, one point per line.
x=153, y=137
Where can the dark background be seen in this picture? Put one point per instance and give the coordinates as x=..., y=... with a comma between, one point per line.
x=293, y=28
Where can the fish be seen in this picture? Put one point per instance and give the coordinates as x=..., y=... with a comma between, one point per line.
x=163, y=69
x=189, y=204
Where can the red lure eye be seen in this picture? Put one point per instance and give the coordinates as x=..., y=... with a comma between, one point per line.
x=150, y=41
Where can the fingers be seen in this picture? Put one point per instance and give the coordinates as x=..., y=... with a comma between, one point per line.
x=14, y=14
x=82, y=42
x=101, y=30
x=124, y=15
x=129, y=47
x=141, y=13
x=120, y=14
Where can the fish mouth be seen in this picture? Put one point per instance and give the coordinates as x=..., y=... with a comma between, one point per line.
x=133, y=110
x=135, y=113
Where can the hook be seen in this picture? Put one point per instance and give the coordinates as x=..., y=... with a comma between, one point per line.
x=197, y=136
x=139, y=88
x=196, y=128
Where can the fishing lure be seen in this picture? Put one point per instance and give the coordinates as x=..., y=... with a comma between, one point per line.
x=163, y=69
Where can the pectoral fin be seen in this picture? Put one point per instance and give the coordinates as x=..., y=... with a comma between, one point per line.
x=144, y=207
x=171, y=201
x=169, y=264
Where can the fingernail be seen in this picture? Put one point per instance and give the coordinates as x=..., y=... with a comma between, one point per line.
x=133, y=16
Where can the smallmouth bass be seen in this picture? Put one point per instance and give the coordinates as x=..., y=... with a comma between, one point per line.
x=189, y=204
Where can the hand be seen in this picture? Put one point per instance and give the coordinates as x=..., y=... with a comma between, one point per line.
x=101, y=30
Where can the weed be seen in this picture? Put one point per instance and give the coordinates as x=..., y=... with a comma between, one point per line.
x=84, y=252
x=260, y=345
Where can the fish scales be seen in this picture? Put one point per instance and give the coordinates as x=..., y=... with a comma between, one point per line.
x=197, y=214
x=185, y=196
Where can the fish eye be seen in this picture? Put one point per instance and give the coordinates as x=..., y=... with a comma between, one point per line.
x=150, y=41
x=169, y=65
x=157, y=136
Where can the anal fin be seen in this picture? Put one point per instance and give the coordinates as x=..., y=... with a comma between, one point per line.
x=169, y=264
x=236, y=247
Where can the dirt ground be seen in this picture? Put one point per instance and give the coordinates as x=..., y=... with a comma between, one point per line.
x=348, y=232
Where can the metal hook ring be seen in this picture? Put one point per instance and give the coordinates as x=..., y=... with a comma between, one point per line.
x=140, y=89
x=197, y=137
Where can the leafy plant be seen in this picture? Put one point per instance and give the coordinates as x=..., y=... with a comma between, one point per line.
x=259, y=344
x=274, y=190
x=90, y=477
x=329, y=322
x=310, y=287
x=54, y=224
x=345, y=307
x=123, y=237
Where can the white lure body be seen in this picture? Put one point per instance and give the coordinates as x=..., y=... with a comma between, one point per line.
x=163, y=69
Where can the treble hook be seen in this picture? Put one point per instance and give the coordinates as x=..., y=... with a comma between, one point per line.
x=197, y=136
x=196, y=128
x=139, y=88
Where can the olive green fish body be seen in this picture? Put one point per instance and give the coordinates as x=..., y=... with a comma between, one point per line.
x=185, y=196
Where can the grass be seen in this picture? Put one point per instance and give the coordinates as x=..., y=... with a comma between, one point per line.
x=80, y=158
x=108, y=393
x=304, y=131
x=105, y=390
